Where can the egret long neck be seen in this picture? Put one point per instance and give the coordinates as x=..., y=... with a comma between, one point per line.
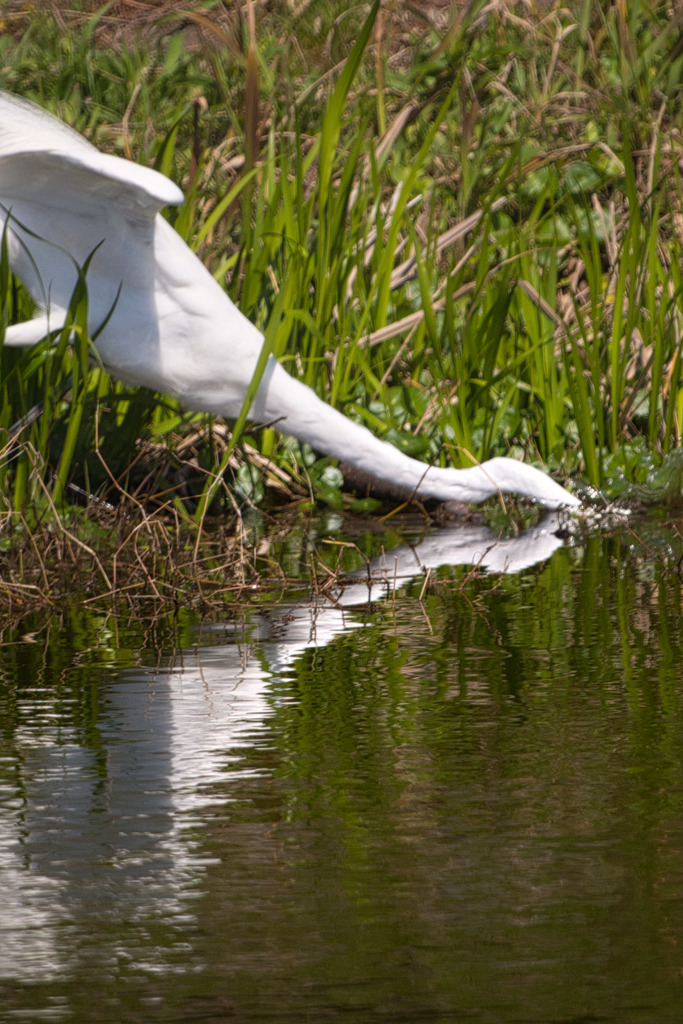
x=296, y=410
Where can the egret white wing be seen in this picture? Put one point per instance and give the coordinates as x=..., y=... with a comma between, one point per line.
x=62, y=200
x=76, y=165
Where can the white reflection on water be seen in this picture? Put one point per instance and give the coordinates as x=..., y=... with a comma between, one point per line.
x=97, y=825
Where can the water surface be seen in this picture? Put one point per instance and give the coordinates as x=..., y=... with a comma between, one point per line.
x=462, y=801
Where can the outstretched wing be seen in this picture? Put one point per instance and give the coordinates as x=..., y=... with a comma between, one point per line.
x=62, y=199
x=28, y=129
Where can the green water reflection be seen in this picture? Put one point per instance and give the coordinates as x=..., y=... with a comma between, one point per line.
x=467, y=807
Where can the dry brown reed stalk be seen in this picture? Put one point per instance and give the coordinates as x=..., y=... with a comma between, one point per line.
x=144, y=563
x=148, y=556
x=52, y=567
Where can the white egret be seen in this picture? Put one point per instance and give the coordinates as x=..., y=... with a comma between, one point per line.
x=173, y=328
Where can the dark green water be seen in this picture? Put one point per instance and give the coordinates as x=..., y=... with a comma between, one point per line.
x=463, y=803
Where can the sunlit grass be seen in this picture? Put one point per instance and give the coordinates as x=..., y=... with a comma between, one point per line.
x=469, y=243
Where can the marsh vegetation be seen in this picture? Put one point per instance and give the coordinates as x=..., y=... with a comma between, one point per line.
x=460, y=224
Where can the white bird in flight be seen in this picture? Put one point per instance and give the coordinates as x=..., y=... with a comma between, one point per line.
x=173, y=328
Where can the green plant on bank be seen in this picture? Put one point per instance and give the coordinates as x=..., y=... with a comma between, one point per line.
x=471, y=244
